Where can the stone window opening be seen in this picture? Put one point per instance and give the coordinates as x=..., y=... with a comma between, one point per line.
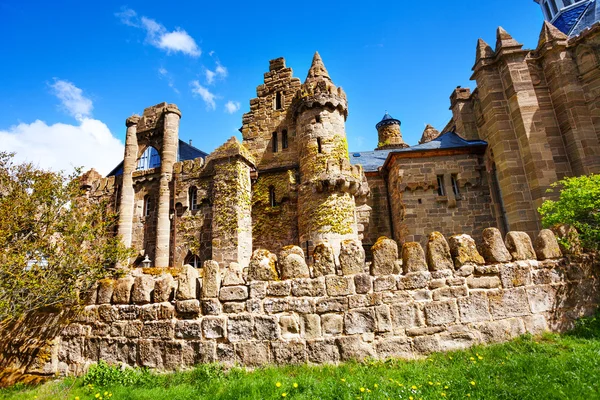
x=455, y=187
x=147, y=205
x=193, y=260
x=284, y=139
x=150, y=158
x=278, y=101
x=272, y=200
x=441, y=189
x=319, y=146
x=274, y=142
x=193, y=198
x=318, y=119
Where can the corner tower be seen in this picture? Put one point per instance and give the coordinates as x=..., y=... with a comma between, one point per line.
x=390, y=136
x=328, y=182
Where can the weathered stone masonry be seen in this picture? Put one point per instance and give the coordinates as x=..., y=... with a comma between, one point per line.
x=281, y=311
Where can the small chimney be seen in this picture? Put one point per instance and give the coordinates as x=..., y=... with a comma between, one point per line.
x=190, y=142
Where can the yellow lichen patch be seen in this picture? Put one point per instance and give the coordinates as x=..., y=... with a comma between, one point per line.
x=379, y=243
x=335, y=215
x=156, y=271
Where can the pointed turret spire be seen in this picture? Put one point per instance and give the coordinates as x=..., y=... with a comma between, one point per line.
x=550, y=33
x=504, y=40
x=429, y=134
x=317, y=70
x=484, y=50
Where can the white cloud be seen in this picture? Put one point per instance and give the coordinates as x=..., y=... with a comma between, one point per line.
x=158, y=36
x=72, y=99
x=164, y=74
x=60, y=146
x=207, y=96
x=220, y=72
x=232, y=106
x=163, y=71
x=210, y=76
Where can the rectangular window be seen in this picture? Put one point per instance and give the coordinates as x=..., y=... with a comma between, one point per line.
x=274, y=142
x=455, y=188
x=284, y=139
x=553, y=5
x=441, y=188
x=547, y=10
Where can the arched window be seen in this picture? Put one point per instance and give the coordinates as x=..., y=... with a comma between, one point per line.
x=193, y=260
x=149, y=159
x=272, y=201
x=284, y=139
x=147, y=205
x=193, y=197
x=278, y=101
x=274, y=142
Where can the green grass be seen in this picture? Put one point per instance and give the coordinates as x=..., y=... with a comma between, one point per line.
x=545, y=367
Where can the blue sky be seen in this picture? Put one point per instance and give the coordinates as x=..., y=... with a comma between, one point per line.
x=73, y=71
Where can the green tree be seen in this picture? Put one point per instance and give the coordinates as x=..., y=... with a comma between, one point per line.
x=55, y=241
x=578, y=205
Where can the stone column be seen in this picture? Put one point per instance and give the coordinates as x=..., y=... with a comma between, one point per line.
x=232, y=217
x=172, y=115
x=126, y=202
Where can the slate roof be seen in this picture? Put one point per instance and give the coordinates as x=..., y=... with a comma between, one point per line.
x=186, y=152
x=588, y=17
x=372, y=160
x=567, y=19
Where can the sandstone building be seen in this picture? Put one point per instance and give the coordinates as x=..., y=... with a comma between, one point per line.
x=533, y=119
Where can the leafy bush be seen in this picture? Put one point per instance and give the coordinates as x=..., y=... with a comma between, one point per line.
x=104, y=375
x=579, y=206
x=587, y=328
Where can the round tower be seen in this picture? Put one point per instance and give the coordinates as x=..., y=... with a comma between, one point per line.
x=328, y=182
x=390, y=136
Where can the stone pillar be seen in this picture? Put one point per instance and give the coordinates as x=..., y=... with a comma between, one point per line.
x=232, y=220
x=126, y=202
x=463, y=114
x=169, y=150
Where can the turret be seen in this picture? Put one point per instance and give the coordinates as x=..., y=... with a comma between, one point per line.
x=328, y=181
x=390, y=136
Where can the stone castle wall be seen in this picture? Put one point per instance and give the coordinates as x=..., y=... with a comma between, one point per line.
x=406, y=305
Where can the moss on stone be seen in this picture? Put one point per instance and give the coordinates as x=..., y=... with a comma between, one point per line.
x=335, y=215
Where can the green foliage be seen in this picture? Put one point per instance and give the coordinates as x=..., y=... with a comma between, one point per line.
x=587, y=328
x=579, y=206
x=105, y=375
x=55, y=242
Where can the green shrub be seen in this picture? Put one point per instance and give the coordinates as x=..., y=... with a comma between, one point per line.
x=105, y=375
x=587, y=328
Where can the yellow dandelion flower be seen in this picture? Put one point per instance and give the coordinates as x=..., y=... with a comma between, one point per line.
x=97, y=395
x=443, y=394
x=278, y=384
x=283, y=394
x=451, y=358
x=76, y=397
x=368, y=390
x=430, y=383
x=295, y=385
x=445, y=387
x=481, y=358
x=362, y=389
x=343, y=380
x=437, y=384
x=471, y=358
x=413, y=387
x=391, y=380
x=106, y=393
x=473, y=383
x=375, y=386
x=411, y=398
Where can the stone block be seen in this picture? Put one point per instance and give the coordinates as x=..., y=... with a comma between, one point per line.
x=225, y=353
x=294, y=266
x=450, y=293
x=233, y=293
x=352, y=257
x=143, y=287
x=122, y=290
x=397, y=297
x=441, y=313
x=394, y=348
x=263, y=266
x=290, y=326
x=252, y=354
x=438, y=253
x=383, y=318
x=163, y=288
x=188, y=306
x=363, y=283
x=405, y=316
x=501, y=331
x=383, y=283
x=108, y=313
x=414, y=280
x=458, y=338
x=196, y=352
x=240, y=328
x=413, y=258
x=156, y=311
x=519, y=245
x=214, y=327
x=426, y=344
x=302, y=305
x=323, y=260
x=311, y=326
x=339, y=285
x=150, y=353
x=188, y=278
x=493, y=248
x=234, y=307
x=106, y=288
x=258, y=290
x=353, y=348
x=513, y=275
x=359, y=321
x=483, y=282
x=128, y=312
x=535, y=324
x=326, y=305
x=322, y=351
x=385, y=254
x=159, y=329
x=266, y=327
x=332, y=324
x=289, y=352
x=546, y=245
x=287, y=250
x=279, y=289
x=430, y=330
x=211, y=279
x=233, y=276
x=508, y=303
x=475, y=308
x=542, y=298
x=185, y=329
x=309, y=287
x=211, y=307
x=464, y=251
x=274, y=306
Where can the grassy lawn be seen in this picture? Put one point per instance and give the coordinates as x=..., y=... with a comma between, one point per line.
x=546, y=367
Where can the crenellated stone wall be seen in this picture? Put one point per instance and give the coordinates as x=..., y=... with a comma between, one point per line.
x=405, y=303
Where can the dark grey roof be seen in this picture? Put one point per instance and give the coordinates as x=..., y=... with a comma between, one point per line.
x=568, y=18
x=186, y=152
x=372, y=160
x=387, y=120
x=588, y=17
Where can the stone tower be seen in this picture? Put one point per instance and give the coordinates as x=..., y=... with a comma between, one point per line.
x=326, y=207
x=390, y=136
